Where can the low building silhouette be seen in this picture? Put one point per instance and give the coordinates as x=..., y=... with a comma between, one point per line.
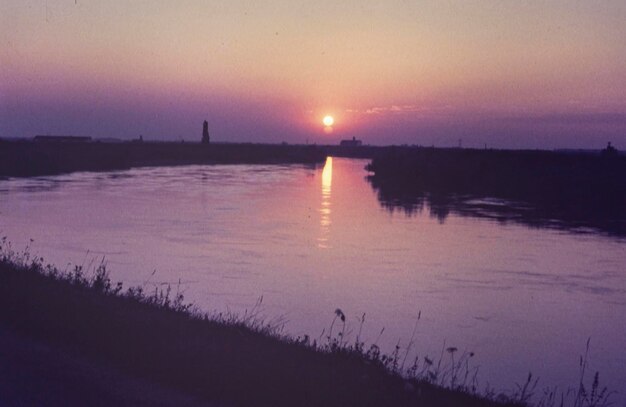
x=109, y=140
x=351, y=143
x=63, y=139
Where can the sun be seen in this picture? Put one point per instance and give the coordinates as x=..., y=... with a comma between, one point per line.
x=328, y=120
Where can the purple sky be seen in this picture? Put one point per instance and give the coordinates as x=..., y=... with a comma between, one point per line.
x=529, y=74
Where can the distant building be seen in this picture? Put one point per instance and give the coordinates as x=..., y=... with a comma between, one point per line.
x=62, y=139
x=350, y=143
x=205, y=133
x=609, y=151
x=109, y=140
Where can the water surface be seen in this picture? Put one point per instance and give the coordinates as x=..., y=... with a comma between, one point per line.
x=310, y=240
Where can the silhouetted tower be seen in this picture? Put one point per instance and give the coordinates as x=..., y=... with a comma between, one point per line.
x=205, y=133
x=609, y=151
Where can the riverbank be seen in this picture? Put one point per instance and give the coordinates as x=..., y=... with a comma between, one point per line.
x=37, y=158
x=34, y=373
x=225, y=359
x=542, y=188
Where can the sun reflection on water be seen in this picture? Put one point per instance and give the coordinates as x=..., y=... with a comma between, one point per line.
x=325, y=209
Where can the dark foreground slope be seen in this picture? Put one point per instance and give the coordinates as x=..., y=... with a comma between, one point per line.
x=36, y=374
x=30, y=158
x=157, y=339
x=543, y=188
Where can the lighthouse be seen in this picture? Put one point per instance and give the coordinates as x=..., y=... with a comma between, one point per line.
x=205, y=133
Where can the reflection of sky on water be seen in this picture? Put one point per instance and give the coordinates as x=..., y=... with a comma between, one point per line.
x=523, y=299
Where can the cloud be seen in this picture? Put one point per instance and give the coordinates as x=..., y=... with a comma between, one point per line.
x=394, y=109
x=601, y=118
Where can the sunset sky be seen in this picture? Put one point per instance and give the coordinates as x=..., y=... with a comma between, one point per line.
x=515, y=74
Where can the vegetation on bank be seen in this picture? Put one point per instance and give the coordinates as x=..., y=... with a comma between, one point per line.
x=30, y=158
x=571, y=190
x=238, y=360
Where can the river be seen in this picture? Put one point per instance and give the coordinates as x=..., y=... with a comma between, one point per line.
x=309, y=240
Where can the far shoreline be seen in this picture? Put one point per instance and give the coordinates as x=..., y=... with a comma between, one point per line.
x=30, y=158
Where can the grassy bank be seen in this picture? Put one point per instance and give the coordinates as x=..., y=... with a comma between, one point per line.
x=235, y=360
x=30, y=158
